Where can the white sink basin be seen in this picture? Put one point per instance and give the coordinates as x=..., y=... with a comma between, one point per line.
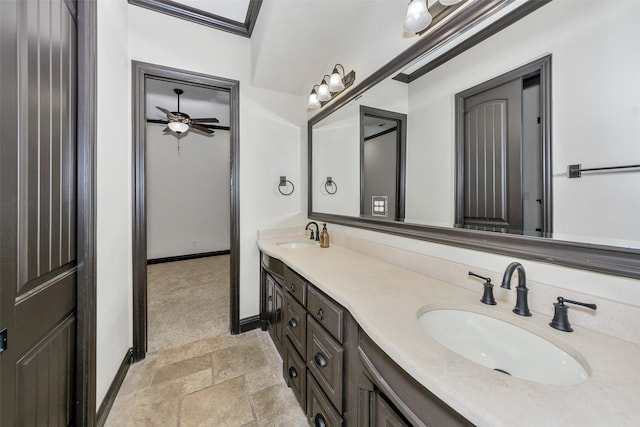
x=503, y=346
x=296, y=245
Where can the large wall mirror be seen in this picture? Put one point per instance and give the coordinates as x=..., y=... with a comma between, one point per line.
x=585, y=94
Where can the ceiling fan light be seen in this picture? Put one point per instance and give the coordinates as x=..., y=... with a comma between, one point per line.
x=335, y=83
x=449, y=2
x=323, y=92
x=178, y=127
x=418, y=16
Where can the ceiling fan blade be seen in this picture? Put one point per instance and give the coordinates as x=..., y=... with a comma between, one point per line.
x=202, y=129
x=164, y=122
x=208, y=119
x=169, y=114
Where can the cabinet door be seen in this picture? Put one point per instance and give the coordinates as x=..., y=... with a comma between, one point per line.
x=274, y=311
x=385, y=414
x=278, y=316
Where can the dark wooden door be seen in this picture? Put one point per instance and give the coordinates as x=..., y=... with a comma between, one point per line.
x=38, y=211
x=492, y=159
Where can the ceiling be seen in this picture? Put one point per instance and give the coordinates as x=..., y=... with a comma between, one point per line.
x=295, y=42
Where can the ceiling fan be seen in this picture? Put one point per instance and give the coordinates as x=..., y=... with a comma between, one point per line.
x=180, y=122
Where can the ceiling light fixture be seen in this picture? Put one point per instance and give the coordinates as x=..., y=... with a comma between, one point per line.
x=418, y=17
x=178, y=127
x=329, y=86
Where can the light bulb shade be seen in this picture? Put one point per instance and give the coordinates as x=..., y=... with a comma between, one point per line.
x=449, y=2
x=335, y=83
x=313, y=103
x=323, y=92
x=418, y=16
x=178, y=127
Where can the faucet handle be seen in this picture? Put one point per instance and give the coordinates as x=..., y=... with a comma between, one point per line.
x=560, y=319
x=312, y=237
x=487, y=296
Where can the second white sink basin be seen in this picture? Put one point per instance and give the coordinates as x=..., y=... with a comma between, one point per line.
x=502, y=346
x=296, y=245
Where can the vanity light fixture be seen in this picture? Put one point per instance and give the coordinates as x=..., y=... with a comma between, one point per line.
x=418, y=17
x=323, y=90
x=313, y=103
x=336, y=83
x=329, y=86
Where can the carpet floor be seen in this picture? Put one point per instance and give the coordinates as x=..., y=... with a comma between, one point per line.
x=187, y=301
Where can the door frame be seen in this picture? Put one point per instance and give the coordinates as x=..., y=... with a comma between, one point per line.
x=85, y=378
x=141, y=71
x=543, y=67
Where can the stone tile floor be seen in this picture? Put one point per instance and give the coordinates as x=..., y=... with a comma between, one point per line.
x=220, y=381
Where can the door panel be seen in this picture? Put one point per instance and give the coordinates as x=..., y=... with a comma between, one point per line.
x=38, y=211
x=493, y=159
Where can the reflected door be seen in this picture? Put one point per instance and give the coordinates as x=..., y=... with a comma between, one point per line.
x=502, y=159
x=38, y=212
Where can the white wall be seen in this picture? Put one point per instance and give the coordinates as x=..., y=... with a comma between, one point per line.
x=272, y=143
x=187, y=192
x=113, y=195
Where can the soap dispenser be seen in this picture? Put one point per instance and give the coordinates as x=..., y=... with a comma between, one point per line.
x=324, y=237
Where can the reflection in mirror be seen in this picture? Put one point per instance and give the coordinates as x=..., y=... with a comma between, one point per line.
x=502, y=153
x=382, y=163
x=595, y=110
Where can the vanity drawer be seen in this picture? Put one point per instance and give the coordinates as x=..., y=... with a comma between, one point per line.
x=319, y=410
x=296, y=285
x=326, y=312
x=295, y=323
x=325, y=358
x=295, y=373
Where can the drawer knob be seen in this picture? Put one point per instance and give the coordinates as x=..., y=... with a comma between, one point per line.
x=320, y=314
x=319, y=421
x=320, y=360
x=293, y=323
x=293, y=374
x=292, y=287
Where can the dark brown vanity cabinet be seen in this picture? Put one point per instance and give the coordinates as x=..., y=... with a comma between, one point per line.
x=272, y=301
x=314, y=333
x=388, y=396
x=338, y=374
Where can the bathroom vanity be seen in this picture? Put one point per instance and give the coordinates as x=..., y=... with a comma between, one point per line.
x=354, y=353
x=336, y=371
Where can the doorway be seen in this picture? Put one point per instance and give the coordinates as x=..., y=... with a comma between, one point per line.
x=382, y=163
x=503, y=148
x=143, y=75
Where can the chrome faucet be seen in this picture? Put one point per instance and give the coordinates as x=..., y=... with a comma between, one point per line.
x=522, y=306
x=317, y=235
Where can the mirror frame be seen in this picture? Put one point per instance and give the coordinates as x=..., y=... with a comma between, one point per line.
x=618, y=261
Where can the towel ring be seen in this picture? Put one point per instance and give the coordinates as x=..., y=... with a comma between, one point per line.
x=330, y=183
x=283, y=183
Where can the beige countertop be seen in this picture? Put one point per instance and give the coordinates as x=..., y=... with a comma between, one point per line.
x=385, y=300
